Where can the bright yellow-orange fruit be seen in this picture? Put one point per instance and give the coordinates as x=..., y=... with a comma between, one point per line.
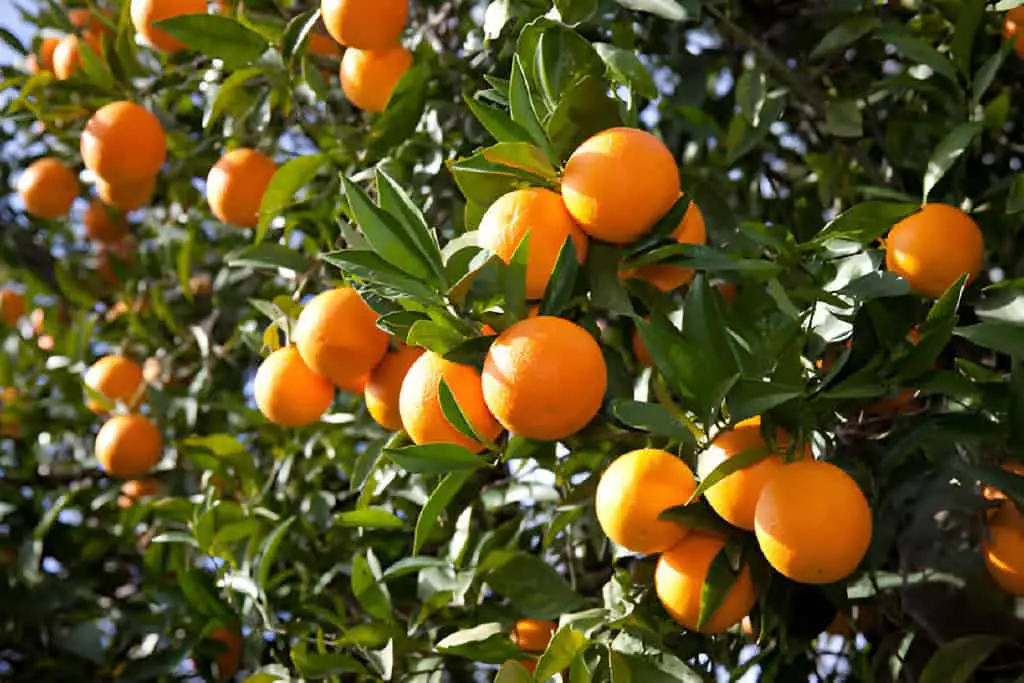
x=368, y=77
x=385, y=386
x=420, y=406
x=48, y=188
x=338, y=337
x=813, y=523
x=734, y=498
x=46, y=49
x=1013, y=29
x=668, y=277
x=619, y=183
x=544, y=378
x=103, y=224
x=322, y=46
x=533, y=635
x=129, y=446
x=124, y=143
x=118, y=379
x=635, y=489
x=288, y=393
x=145, y=13
x=542, y=215
x=992, y=493
x=229, y=661
x=12, y=306
x=1003, y=550
x=126, y=196
x=934, y=247
x=236, y=185
x=67, y=58
x=679, y=581
x=365, y=24
x=135, y=489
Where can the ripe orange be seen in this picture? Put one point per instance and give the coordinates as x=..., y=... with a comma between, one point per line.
x=634, y=490
x=122, y=253
x=12, y=307
x=368, y=77
x=236, y=185
x=46, y=48
x=420, y=407
x=1003, y=550
x=124, y=143
x=87, y=20
x=668, y=277
x=288, y=393
x=619, y=183
x=10, y=424
x=934, y=247
x=533, y=635
x=991, y=493
x=229, y=661
x=117, y=378
x=385, y=386
x=135, y=489
x=679, y=582
x=322, y=46
x=128, y=446
x=145, y=13
x=365, y=24
x=1013, y=29
x=640, y=350
x=102, y=224
x=540, y=213
x=544, y=378
x=67, y=58
x=48, y=188
x=338, y=337
x=813, y=522
x=126, y=196
x=734, y=498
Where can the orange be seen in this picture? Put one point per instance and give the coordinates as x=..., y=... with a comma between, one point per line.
x=10, y=425
x=124, y=143
x=533, y=635
x=128, y=446
x=934, y=247
x=67, y=58
x=544, y=378
x=991, y=493
x=1013, y=25
x=12, y=306
x=48, y=188
x=288, y=393
x=365, y=24
x=126, y=196
x=640, y=350
x=540, y=213
x=102, y=224
x=121, y=253
x=46, y=49
x=1003, y=551
x=145, y=13
x=420, y=406
x=813, y=523
x=87, y=20
x=117, y=378
x=200, y=285
x=840, y=626
x=338, y=337
x=322, y=46
x=385, y=386
x=679, y=582
x=619, y=183
x=734, y=498
x=229, y=661
x=728, y=292
x=668, y=277
x=368, y=77
x=153, y=370
x=635, y=489
x=135, y=489
x=236, y=185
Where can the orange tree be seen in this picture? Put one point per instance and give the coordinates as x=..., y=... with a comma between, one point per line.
x=456, y=340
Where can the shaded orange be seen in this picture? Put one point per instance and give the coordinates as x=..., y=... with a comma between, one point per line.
x=288, y=393
x=117, y=378
x=45, y=59
x=322, y=46
x=126, y=196
x=934, y=247
x=640, y=350
x=1003, y=550
x=365, y=24
x=12, y=307
x=67, y=58
x=122, y=253
x=128, y=446
x=668, y=277
x=124, y=142
x=992, y=493
x=385, y=386
x=229, y=661
x=1013, y=25
x=102, y=224
x=145, y=13
x=135, y=489
x=236, y=184
x=48, y=188
x=369, y=77
x=533, y=635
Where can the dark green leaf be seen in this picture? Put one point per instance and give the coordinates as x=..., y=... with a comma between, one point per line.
x=369, y=518
x=917, y=50
x=453, y=413
x=986, y=73
x=1001, y=337
x=269, y=256
x=520, y=103
x=1015, y=197
x=486, y=643
x=562, y=284
x=947, y=152
x=754, y=397
x=717, y=584
x=843, y=119
x=217, y=36
x=369, y=266
x=576, y=11
x=435, y=506
x=435, y=458
x=956, y=661
x=499, y=124
x=288, y=180
x=844, y=35
x=316, y=665
x=405, y=108
x=730, y=465
x=369, y=590
x=865, y=222
x=652, y=418
x=562, y=649
x=583, y=110
x=533, y=587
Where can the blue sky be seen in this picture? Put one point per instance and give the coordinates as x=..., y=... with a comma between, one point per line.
x=11, y=20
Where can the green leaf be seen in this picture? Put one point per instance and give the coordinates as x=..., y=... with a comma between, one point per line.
x=562, y=57
x=317, y=665
x=576, y=11
x=368, y=590
x=533, y=587
x=268, y=551
x=843, y=118
x=369, y=518
x=453, y=413
x=697, y=515
x=967, y=22
x=291, y=177
x=667, y=9
x=947, y=152
x=652, y=418
x=1001, y=337
x=717, y=584
x=520, y=103
x=398, y=122
x=499, y=124
x=435, y=506
x=606, y=288
x=584, y=110
x=987, y=72
x=750, y=397
x=95, y=68
x=435, y=458
x=865, y=222
x=956, y=661
x=296, y=34
x=367, y=265
x=1015, y=197
x=486, y=643
x=217, y=36
x=397, y=203
x=434, y=336
x=514, y=281
x=730, y=465
x=512, y=671
x=493, y=172
x=625, y=67
x=917, y=50
x=562, y=284
x=563, y=648
x=269, y=256
x=844, y=35
x=751, y=89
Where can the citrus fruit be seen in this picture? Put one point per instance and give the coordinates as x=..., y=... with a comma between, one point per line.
x=734, y=498
x=640, y=350
x=46, y=49
x=128, y=446
x=48, y=188
x=1003, y=551
x=668, y=277
x=103, y=224
x=322, y=46
x=338, y=337
x=67, y=58
x=541, y=214
x=619, y=183
x=635, y=489
x=544, y=378
x=365, y=24
x=118, y=379
x=368, y=77
x=1013, y=29
x=229, y=660
x=385, y=386
x=145, y=13
x=10, y=424
x=533, y=635
x=126, y=196
x=287, y=392
x=124, y=143
x=120, y=253
x=236, y=184
x=679, y=579
x=12, y=306
x=813, y=523
x=419, y=403
x=992, y=493
x=934, y=247
x=88, y=21
x=136, y=489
